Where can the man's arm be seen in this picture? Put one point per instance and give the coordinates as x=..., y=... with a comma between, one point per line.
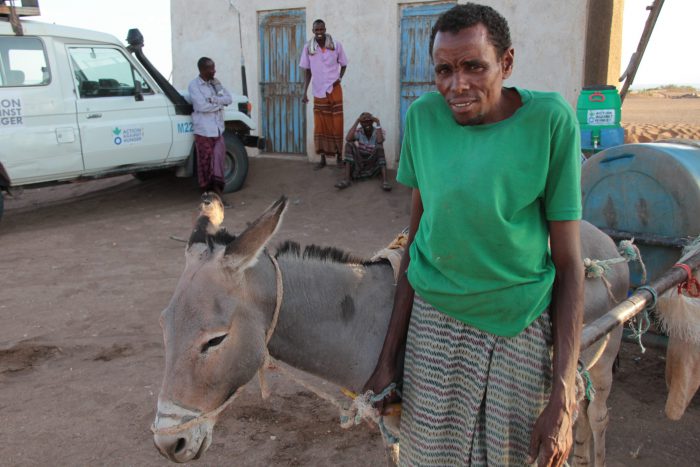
x=307, y=80
x=350, y=137
x=199, y=101
x=552, y=436
x=223, y=97
x=342, y=60
x=378, y=129
x=390, y=363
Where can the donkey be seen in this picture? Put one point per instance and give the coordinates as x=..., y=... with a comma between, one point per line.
x=319, y=310
x=679, y=316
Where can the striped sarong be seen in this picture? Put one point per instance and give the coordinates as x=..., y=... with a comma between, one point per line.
x=470, y=397
x=211, y=155
x=328, y=122
x=363, y=163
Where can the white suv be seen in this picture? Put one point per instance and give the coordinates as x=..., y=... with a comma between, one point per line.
x=77, y=104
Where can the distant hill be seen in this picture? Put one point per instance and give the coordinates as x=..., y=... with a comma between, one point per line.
x=670, y=91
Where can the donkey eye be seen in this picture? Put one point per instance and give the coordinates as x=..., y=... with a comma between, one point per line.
x=213, y=342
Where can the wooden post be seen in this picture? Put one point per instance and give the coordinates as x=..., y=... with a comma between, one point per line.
x=636, y=303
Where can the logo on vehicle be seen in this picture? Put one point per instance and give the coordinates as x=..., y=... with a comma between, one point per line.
x=117, y=138
x=127, y=135
x=10, y=112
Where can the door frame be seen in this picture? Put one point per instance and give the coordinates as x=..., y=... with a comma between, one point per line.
x=298, y=132
x=413, y=9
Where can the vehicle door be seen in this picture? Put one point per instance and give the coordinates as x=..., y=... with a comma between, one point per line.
x=38, y=130
x=122, y=119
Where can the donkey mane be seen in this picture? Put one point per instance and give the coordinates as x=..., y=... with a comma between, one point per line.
x=329, y=253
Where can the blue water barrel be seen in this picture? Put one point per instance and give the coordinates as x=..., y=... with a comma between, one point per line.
x=651, y=191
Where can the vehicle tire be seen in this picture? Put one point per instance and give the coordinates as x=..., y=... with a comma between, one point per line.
x=2, y=203
x=235, y=164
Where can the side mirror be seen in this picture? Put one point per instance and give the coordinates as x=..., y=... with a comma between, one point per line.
x=138, y=91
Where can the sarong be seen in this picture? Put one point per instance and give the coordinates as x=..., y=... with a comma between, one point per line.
x=328, y=122
x=211, y=152
x=364, y=164
x=470, y=397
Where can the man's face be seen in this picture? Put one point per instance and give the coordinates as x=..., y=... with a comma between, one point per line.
x=208, y=71
x=469, y=74
x=319, y=30
x=366, y=124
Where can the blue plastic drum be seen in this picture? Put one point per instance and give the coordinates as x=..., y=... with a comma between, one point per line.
x=651, y=191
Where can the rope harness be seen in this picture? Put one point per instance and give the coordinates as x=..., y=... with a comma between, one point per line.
x=598, y=268
x=641, y=323
x=179, y=428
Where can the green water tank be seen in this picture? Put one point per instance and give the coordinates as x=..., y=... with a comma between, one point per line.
x=598, y=111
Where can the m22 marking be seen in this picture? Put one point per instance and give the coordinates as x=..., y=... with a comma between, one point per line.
x=185, y=127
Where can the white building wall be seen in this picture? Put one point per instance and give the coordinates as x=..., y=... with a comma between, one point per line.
x=548, y=37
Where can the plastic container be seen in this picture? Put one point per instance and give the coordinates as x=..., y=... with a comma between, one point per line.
x=651, y=190
x=598, y=111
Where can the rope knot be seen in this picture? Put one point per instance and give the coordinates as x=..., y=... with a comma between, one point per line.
x=362, y=407
x=630, y=252
x=690, y=285
x=595, y=268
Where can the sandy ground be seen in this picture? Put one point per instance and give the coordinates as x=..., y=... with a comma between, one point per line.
x=660, y=116
x=88, y=267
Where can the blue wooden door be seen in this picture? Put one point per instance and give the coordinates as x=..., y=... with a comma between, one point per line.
x=282, y=36
x=416, y=65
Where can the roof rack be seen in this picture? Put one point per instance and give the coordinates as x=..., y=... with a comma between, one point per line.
x=22, y=7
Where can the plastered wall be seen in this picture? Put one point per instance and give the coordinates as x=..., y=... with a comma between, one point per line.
x=548, y=36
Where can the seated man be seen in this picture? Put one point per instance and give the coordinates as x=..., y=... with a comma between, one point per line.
x=364, y=151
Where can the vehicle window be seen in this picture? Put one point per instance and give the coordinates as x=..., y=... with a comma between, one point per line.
x=23, y=62
x=104, y=72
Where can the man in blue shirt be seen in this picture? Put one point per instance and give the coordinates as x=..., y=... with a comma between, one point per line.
x=209, y=98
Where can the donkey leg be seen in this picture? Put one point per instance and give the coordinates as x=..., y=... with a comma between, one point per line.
x=601, y=377
x=582, y=437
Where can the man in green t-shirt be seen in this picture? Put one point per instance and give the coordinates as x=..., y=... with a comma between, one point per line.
x=489, y=303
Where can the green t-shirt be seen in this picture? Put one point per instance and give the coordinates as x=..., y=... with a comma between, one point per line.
x=481, y=251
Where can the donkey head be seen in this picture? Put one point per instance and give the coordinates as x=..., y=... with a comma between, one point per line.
x=214, y=327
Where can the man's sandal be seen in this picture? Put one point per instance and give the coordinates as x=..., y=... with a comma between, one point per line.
x=341, y=185
x=386, y=186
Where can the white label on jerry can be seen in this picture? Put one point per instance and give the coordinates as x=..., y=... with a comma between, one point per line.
x=601, y=117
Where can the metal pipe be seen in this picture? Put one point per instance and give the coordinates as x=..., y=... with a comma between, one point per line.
x=634, y=304
x=648, y=239
x=244, y=79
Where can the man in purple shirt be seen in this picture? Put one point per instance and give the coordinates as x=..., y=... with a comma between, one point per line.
x=208, y=99
x=325, y=60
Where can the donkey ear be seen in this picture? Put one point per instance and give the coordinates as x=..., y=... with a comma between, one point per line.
x=243, y=252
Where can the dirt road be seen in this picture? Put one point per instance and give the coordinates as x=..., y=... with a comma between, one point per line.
x=87, y=269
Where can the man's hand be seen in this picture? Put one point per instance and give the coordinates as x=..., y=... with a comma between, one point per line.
x=382, y=377
x=217, y=86
x=305, y=99
x=552, y=436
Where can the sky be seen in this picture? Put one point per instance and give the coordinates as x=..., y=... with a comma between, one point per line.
x=670, y=58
